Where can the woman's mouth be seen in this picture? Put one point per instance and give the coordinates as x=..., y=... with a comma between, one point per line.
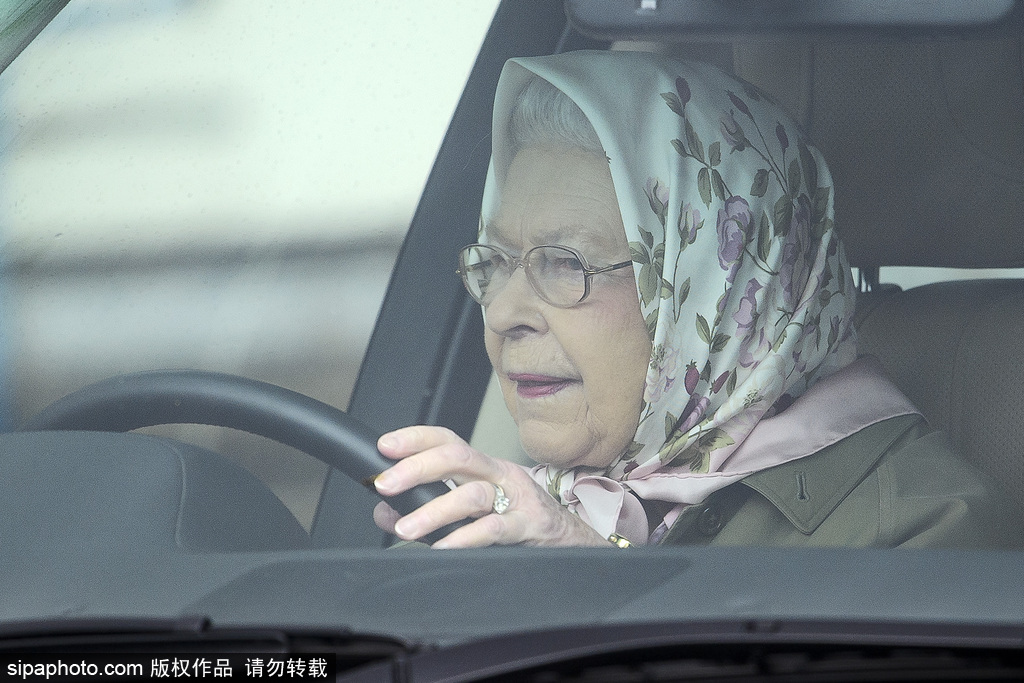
x=538, y=386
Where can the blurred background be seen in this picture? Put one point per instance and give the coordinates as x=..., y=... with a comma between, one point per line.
x=216, y=184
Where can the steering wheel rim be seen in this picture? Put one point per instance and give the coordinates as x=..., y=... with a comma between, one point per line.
x=147, y=399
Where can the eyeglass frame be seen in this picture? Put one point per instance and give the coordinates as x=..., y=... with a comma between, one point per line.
x=588, y=272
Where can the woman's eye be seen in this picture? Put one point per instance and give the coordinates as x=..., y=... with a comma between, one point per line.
x=555, y=262
x=482, y=269
x=568, y=263
x=494, y=263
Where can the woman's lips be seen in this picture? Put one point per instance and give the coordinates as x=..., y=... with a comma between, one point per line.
x=538, y=386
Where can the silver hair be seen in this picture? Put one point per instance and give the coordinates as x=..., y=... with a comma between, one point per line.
x=544, y=115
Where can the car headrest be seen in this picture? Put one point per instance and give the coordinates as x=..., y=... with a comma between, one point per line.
x=923, y=137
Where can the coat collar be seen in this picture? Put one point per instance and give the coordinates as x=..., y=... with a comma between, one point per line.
x=808, y=490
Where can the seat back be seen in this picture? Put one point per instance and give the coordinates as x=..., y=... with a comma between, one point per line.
x=925, y=140
x=954, y=348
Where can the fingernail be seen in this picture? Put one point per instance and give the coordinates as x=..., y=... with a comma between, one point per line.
x=388, y=441
x=407, y=528
x=385, y=481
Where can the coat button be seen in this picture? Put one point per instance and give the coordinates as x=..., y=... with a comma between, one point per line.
x=709, y=522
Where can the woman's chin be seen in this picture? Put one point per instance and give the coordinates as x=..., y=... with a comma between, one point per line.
x=560, y=445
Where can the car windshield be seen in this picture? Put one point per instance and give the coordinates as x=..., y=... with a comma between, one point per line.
x=222, y=187
x=280, y=192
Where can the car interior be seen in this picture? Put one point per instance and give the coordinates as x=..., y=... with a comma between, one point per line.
x=923, y=128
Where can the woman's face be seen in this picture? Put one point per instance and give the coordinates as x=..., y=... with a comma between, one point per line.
x=573, y=378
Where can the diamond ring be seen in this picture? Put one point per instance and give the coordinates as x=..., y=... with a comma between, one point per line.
x=501, y=501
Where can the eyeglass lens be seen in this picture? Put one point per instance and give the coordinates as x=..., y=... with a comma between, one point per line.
x=556, y=273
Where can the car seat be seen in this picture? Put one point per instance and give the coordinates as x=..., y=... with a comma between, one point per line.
x=925, y=139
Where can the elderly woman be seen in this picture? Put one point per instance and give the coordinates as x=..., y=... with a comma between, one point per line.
x=669, y=313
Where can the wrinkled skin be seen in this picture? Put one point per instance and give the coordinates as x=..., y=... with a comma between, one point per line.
x=435, y=453
x=572, y=378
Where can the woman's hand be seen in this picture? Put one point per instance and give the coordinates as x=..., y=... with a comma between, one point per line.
x=427, y=454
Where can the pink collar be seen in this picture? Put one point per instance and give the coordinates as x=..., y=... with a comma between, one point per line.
x=837, y=406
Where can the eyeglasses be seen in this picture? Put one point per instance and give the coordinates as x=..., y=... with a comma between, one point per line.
x=560, y=275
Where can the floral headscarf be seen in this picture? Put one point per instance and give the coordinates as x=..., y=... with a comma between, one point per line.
x=743, y=284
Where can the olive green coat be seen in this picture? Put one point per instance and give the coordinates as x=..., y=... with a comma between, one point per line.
x=894, y=484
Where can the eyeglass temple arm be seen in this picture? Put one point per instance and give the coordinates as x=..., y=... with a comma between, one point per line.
x=614, y=266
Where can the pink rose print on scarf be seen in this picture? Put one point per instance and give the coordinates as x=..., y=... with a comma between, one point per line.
x=746, y=315
x=799, y=358
x=663, y=363
x=796, y=262
x=734, y=226
x=690, y=221
x=693, y=413
x=755, y=348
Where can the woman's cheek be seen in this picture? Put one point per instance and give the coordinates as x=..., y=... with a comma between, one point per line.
x=620, y=371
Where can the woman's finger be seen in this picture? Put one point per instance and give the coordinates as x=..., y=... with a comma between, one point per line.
x=488, y=530
x=473, y=499
x=385, y=516
x=454, y=460
x=408, y=440
x=533, y=518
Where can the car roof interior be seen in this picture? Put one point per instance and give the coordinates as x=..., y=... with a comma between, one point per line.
x=923, y=129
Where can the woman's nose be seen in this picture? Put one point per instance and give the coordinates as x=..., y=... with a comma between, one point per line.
x=516, y=309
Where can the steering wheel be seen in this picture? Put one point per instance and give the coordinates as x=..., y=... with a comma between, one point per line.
x=145, y=399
